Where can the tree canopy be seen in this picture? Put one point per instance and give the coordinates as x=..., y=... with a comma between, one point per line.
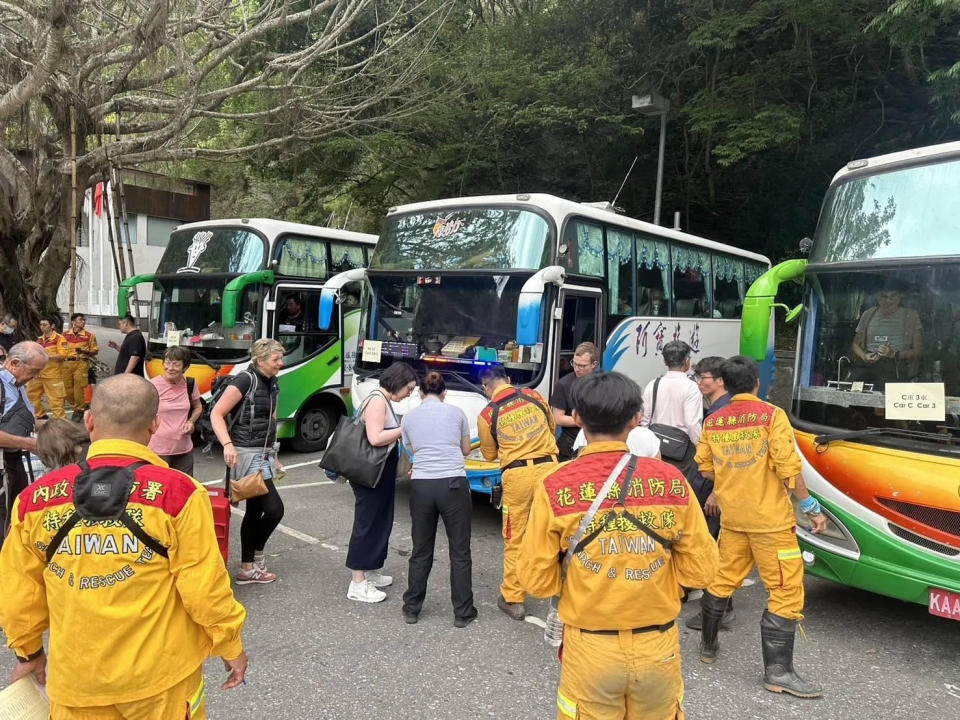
x=323, y=111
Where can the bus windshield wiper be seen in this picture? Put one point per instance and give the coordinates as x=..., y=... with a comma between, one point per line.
x=465, y=378
x=869, y=432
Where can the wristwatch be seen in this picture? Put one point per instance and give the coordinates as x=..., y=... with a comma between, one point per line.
x=31, y=657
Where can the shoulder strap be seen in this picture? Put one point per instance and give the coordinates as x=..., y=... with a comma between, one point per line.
x=191, y=384
x=503, y=401
x=238, y=411
x=653, y=410
x=125, y=519
x=578, y=542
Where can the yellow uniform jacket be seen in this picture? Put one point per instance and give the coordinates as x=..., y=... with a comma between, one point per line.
x=56, y=348
x=524, y=431
x=81, y=345
x=748, y=446
x=622, y=579
x=125, y=623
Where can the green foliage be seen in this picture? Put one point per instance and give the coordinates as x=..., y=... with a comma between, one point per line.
x=768, y=99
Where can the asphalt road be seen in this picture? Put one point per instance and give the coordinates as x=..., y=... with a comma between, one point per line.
x=314, y=654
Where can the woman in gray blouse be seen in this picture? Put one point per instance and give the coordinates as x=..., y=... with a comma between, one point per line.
x=438, y=435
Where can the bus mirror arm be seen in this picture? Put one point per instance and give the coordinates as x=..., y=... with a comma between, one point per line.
x=330, y=295
x=759, y=303
x=530, y=304
x=127, y=287
x=233, y=289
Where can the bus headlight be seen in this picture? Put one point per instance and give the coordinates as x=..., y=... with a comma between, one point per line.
x=834, y=537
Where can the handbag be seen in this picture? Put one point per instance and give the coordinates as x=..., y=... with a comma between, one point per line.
x=674, y=443
x=350, y=454
x=252, y=484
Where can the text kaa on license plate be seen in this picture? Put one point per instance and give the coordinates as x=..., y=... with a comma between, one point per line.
x=945, y=604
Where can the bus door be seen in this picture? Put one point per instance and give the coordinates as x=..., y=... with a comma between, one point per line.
x=292, y=320
x=580, y=322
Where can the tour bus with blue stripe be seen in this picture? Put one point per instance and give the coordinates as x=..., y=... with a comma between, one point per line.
x=456, y=285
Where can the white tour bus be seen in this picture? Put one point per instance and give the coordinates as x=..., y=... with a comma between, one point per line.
x=456, y=285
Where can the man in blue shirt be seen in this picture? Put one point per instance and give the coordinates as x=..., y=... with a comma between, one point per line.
x=24, y=362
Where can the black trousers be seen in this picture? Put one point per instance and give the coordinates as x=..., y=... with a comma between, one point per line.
x=373, y=519
x=701, y=488
x=182, y=462
x=260, y=518
x=447, y=498
x=15, y=479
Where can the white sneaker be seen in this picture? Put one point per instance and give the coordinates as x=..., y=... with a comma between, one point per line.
x=365, y=592
x=378, y=579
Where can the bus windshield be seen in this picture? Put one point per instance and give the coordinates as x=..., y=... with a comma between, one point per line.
x=191, y=307
x=464, y=239
x=909, y=212
x=870, y=327
x=212, y=250
x=454, y=324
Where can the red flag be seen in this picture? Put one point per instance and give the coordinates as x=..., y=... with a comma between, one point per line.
x=98, y=199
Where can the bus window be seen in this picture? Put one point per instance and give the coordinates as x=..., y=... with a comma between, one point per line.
x=584, y=248
x=730, y=286
x=302, y=256
x=579, y=325
x=345, y=256
x=691, y=282
x=653, y=276
x=620, y=264
x=296, y=326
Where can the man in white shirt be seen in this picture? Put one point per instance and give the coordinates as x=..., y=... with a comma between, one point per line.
x=678, y=402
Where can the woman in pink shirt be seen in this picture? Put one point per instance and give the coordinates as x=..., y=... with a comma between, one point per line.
x=179, y=410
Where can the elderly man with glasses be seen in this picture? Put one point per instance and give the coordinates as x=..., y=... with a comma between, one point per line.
x=25, y=361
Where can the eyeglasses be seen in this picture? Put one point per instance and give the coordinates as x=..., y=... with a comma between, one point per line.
x=583, y=366
x=698, y=378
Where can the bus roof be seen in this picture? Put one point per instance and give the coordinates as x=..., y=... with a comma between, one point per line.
x=559, y=207
x=274, y=228
x=891, y=161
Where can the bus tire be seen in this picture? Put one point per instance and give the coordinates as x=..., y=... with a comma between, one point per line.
x=315, y=423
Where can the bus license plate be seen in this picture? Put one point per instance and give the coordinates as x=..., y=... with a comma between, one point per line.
x=945, y=604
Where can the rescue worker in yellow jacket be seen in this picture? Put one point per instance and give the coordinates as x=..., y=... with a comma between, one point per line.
x=518, y=427
x=621, y=595
x=50, y=381
x=81, y=349
x=747, y=449
x=134, y=604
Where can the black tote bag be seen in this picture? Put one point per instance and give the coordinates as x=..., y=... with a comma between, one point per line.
x=674, y=443
x=350, y=454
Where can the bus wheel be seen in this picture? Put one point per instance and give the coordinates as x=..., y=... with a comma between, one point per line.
x=315, y=424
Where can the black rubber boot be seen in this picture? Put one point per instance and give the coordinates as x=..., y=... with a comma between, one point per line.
x=777, y=635
x=711, y=612
x=695, y=622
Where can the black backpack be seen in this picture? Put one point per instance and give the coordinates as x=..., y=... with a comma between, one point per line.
x=101, y=495
x=219, y=386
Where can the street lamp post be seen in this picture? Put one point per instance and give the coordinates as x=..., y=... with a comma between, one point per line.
x=653, y=104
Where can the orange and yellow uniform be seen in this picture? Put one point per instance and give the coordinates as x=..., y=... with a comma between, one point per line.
x=526, y=445
x=81, y=347
x=621, y=597
x=748, y=445
x=50, y=380
x=129, y=628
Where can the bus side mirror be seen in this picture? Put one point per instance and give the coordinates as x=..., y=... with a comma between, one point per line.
x=794, y=314
x=328, y=300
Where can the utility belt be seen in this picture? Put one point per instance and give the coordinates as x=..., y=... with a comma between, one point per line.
x=636, y=631
x=530, y=462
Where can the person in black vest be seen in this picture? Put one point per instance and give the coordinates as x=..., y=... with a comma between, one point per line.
x=24, y=362
x=248, y=445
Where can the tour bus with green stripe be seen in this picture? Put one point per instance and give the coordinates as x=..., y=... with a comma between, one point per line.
x=221, y=284
x=876, y=383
